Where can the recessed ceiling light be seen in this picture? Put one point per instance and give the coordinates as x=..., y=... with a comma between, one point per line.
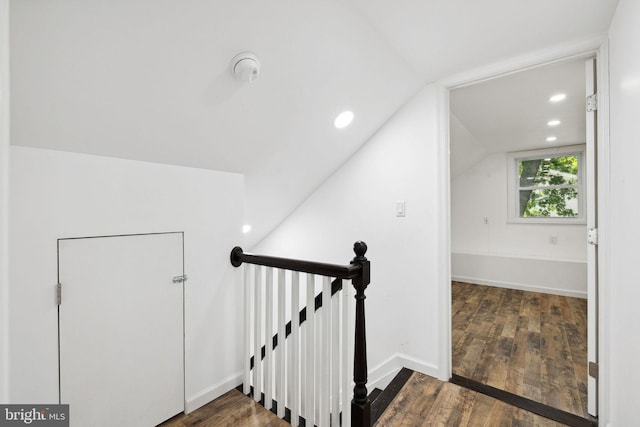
x=344, y=119
x=554, y=122
x=551, y=138
x=558, y=97
x=246, y=228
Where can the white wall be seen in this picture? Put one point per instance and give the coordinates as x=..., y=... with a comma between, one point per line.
x=56, y=194
x=624, y=292
x=4, y=201
x=358, y=203
x=465, y=148
x=481, y=192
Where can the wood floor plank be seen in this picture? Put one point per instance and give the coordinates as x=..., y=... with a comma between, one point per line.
x=517, y=360
x=411, y=408
x=532, y=387
x=231, y=409
x=489, y=353
x=532, y=344
x=469, y=359
x=446, y=407
x=426, y=401
x=497, y=373
x=482, y=406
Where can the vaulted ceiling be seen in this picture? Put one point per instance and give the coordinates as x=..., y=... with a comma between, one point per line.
x=512, y=112
x=150, y=80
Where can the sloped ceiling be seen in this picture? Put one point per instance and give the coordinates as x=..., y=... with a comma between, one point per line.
x=442, y=37
x=511, y=113
x=150, y=80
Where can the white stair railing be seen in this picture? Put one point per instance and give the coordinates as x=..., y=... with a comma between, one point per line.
x=299, y=338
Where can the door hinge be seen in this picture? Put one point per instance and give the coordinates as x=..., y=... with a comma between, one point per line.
x=592, y=103
x=59, y=294
x=592, y=236
x=180, y=279
x=593, y=370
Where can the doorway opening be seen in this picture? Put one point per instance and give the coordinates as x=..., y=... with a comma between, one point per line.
x=520, y=262
x=121, y=327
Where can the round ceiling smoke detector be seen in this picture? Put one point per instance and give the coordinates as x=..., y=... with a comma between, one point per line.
x=245, y=66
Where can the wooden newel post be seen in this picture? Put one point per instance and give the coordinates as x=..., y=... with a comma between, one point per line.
x=360, y=405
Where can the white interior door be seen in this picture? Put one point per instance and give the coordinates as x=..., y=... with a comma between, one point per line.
x=121, y=329
x=592, y=239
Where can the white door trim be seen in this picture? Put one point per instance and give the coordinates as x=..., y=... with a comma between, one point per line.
x=597, y=46
x=4, y=201
x=604, y=251
x=592, y=223
x=444, y=233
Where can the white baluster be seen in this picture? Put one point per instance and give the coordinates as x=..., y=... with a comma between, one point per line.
x=347, y=352
x=281, y=349
x=310, y=350
x=325, y=360
x=268, y=337
x=303, y=367
x=257, y=343
x=294, y=364
x=246, y=384
x=335, y=360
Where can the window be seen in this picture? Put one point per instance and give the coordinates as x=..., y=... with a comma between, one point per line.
x=546, y=186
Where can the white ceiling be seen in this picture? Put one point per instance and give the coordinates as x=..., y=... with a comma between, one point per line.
x=510, y=113
x=150, y=80
x=442, y=37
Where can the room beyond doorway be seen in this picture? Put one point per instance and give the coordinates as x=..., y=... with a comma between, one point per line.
x=495, y=126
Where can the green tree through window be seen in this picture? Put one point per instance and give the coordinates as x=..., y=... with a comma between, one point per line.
x=548, y=187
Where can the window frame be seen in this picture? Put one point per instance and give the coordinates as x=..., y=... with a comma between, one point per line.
x=513, y=184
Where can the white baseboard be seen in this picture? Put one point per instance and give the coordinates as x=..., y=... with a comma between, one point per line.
x=549, y=276
x=519, y=286
x=211, y=393
x=381, y=375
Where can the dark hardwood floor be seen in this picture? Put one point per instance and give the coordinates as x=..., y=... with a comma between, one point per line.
x=422, y=401
x=530, y=344
x=425, y=401
x=232, y=409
